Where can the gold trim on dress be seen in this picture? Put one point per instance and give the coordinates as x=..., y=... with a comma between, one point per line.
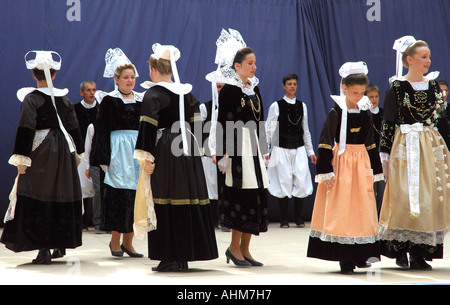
x=180, y=201
x=148, y=119
x=326, y=146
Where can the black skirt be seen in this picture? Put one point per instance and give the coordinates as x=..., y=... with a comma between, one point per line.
x=245, y=210
x=43, y=225
x=118, y=209
x=185, y=229
x=334, y=251
x=48, y=211
x=395, y=249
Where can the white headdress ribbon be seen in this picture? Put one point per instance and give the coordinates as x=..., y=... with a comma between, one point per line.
x=44, y=61
x=172, y=53
x=347, y=69
x=400, y=45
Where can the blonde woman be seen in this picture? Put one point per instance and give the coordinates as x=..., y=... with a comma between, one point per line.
x=415, y=211
x=116, y=130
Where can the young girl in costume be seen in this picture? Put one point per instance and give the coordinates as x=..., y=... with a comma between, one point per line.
x=344, y=223
x=415, y=213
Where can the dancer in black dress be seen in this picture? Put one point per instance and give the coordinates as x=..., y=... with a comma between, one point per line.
x=184, y=231
x=45, y=209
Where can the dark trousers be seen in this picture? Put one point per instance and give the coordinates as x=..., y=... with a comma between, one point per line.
x=284, y=209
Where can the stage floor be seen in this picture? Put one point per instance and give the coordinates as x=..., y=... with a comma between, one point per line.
x=283, y=251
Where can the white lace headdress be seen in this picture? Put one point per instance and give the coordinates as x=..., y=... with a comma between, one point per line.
x=228, y=43
x=347, y=69
x=400, y=46
x=113, y=59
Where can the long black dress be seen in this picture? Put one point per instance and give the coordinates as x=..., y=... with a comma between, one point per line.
x=116, y=128
x=185, y=230
x=48, y=211
x=244, y=200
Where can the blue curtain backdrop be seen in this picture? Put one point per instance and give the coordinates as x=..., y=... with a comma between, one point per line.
x=312, y=38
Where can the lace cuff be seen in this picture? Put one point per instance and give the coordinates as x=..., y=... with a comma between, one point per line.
x=324, y=177
x=143, y=155
x=20, y=160
x=378, y=177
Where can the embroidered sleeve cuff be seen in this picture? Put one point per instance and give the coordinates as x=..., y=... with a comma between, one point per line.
x=19, y=160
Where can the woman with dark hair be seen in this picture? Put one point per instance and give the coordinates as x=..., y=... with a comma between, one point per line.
x=344, y=223
x=45, y=209
x=415, y=214
x=241, y=117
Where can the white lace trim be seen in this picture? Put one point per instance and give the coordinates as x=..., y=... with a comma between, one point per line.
x=39, y=137
x=378, y=177
x=143, y=155
x=345, y=240
x=324, y=177
x=416, y=237
x=19, y=160
x=143, y=226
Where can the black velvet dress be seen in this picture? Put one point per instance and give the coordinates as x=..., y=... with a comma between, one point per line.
x=113, y=145
x=48, y=212
x=244, y=199
x=185, y=230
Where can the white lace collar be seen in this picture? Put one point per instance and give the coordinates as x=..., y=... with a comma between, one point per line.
x=179, y=89
x=21, y=93
x=137, y=97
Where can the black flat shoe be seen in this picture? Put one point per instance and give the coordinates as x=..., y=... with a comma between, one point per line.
x=58, y=253
x=347, y=267
x=253, y=262
x=236, y=261
x=402, y=261
x=131, y=254
x=183, y=266
x=418, y=263
x=43, y=258
x=167, y=267
x=363, y=264
x=115, y=253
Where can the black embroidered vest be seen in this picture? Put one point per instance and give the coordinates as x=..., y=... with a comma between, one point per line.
x=290, y=127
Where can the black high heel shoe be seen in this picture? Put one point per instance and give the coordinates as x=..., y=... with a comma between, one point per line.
x=236, y=261
x=43, y=257
x=115, y=253
x=253, y=262
x=131, y=254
